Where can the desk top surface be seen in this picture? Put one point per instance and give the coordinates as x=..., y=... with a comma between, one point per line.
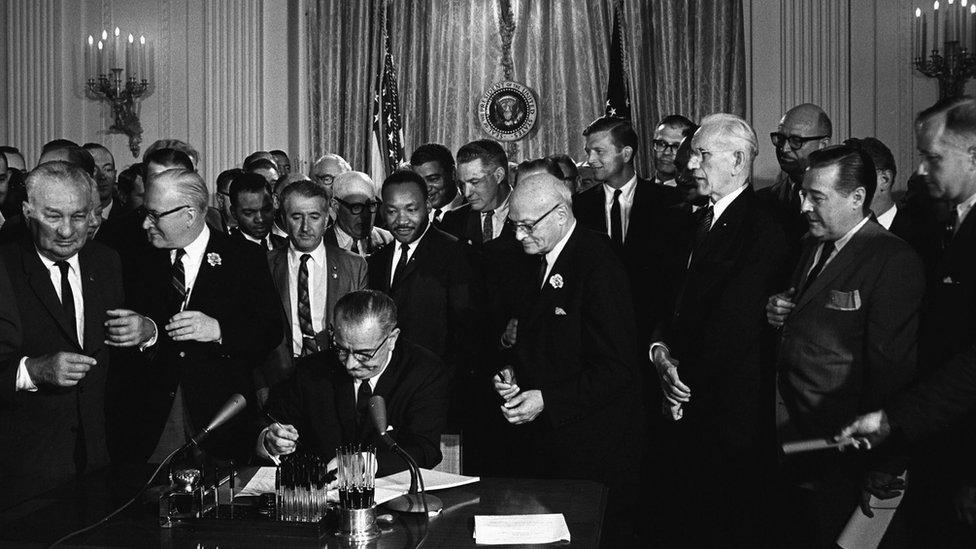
x=41, y=520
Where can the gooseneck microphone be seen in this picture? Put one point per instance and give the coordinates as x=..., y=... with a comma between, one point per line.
x=234, y=405
x=416, y=501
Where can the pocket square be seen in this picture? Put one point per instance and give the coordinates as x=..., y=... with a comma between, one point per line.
x=948, y=280
x=844, y=301
x=560, y=311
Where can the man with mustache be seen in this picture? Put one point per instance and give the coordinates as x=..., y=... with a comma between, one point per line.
x=848, y=331
x=252, y=208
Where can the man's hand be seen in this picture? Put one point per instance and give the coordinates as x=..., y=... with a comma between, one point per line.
x=882, y=486
x=193, y=326
x=779, y=307
x=126, y=328
x=510, y=337
x=61, y=369
x=965, y=503
x=523, y=407
x=280, y=439
x=504, y=382
x=675, y=391
x=867, y=431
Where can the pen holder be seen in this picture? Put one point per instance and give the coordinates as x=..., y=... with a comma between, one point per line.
x=301, y=487
x=356, y=477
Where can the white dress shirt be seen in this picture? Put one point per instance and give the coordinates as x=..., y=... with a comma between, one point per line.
x=963, y=210
x=318, y=284
x=553, y=254
x=22, y=379
x=838, y=245
x=372, y=381
x=267, y=240
x=626, y=203
x=192, y=259
x=498, y=218
x=887, y=218
x=107, y=210
x=719, y=207
x=397, y=252
x=450, y=206
x=345, y=241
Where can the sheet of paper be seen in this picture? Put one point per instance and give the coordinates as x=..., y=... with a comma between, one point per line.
x=262, y=482
x=520, y=529
x=862, y=532
x=433, y=480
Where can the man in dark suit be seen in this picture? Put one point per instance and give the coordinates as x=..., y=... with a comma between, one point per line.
x=572, y=393
x=736, y=256
x=308, y=287
x=105, y=178
x=802, y=130
x=628, y=209
x=848, y=339
x=355, y=203
x=482, y=172
x=253, y=209
x=212, y=304
x=326, y=403
x=54, y=294
x=435, y=163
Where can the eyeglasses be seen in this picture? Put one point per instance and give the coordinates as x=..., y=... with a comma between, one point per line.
x=325, y=179
x=529, y=227
x=153, y=216
x=361, y=355
x=661, y=145
x=357, y=208
x=796, y=141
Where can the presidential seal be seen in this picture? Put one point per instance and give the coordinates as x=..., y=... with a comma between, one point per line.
x=507, y=110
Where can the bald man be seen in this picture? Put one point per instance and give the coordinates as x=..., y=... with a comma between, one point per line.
x=803, y=129
x=355, y=203
x=327, y=168
x=572, y=394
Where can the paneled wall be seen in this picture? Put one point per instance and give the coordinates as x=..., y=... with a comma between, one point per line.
x=228, y=75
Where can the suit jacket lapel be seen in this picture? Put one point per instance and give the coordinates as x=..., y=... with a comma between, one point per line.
x=40, y=282
x=207, y=281
x=839, y=264
x=421, y=253
x=93, y=305
x=345, y=399
x=473, y=226
x=279, y=271
x=332, y=289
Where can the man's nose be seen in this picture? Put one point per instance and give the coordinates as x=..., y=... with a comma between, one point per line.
x=694, y=162
x=922, y=168
x=806, y=205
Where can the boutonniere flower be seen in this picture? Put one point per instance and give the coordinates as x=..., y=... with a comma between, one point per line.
x=213, y=258
x=556, y=281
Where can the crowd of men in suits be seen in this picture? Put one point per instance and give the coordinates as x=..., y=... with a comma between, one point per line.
x=662, y=336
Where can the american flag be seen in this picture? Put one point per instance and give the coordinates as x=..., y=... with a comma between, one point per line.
x=387, y=124
x=618, y=98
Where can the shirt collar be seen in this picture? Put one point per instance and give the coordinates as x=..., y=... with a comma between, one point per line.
x=718, y=207
x=318, y=254
x=842, y=241
x=413, y=245
x=963, y=208
x=375, y=379
x=501, y=209
x=49, y=263
x=888, y=217
x=342, y=236
x=199, y=245
x=553, y=254
x=626, y=191
x=108, y=208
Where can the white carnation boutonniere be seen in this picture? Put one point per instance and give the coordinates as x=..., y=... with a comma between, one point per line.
x=556, y=281
x=213, y=258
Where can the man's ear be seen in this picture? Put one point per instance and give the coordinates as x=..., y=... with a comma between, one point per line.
x=859, y=195
x=26, y=210
x=739, y=163
x=628, y=153
x=824, y=143
x=885, y=179
x=499, y=174
x=972, y=156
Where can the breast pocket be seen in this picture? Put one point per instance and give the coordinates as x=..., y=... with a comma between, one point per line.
x=844, y=301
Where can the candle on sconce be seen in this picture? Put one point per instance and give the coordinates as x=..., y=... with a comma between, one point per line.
x=129, y=55
x=142, y=58
x=117, y=52
x=90, y=61
x=935, y=25
x=101, y=58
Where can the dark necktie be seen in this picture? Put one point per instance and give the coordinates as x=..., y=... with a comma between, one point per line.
x=706, y=215
x=67, y=298
x=616, y=225
x=305, y=309
x=828, y=248
x=437, y=214
x=178, y=280
x=264, y=243
x=401, y=265
x=543, y=265
x=355, y=246
x=362, y=402
x=950, y=228
x=487, y=228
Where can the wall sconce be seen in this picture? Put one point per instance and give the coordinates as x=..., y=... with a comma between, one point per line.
x=130, y=64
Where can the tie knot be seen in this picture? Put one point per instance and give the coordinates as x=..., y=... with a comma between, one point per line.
x=180, y=252
x=617, y=193
x=404, y=247
x=63, y=267
x=489, y=212
x=305, y=257
x=829, y=246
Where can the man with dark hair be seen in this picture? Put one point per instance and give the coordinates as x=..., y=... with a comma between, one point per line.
x=57, y=144
x=434, y=163
x=222, y=196
x=668, y=135
x=254, y=156
x=68, y=153
x=628, y=209
x=57, y=293
x=15, y=159
x=5, y=173
x=482, y=172
x=176, y=145
x=264, y=167
x=803, y=129
x=281, y=159
x=326, y=402
x=310, y=276
x=848, y=326
x=160, y=160
x=132, y=188
x=253, y=210
x=105, y=176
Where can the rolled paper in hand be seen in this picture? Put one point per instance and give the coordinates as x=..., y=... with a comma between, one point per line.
x=813, y=445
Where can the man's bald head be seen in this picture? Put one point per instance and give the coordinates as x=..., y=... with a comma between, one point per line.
x=327, y=168
x=353, y=184
x=808, y=116
x=541, y=208
x=803, y=129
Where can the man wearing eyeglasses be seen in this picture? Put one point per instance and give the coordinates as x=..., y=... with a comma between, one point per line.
x=327, y=168
x=803, y=129
x=670, y=132
x=355, y=203
x=212, y=303
x=326, y=402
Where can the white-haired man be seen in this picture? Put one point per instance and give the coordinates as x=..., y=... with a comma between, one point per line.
x=355, y=204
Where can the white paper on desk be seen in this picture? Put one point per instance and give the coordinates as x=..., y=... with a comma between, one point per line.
x=520, y=529
x=862, y=532
x=433, y=480
x=262, y=482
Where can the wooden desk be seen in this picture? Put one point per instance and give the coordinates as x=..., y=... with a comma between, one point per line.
x=41, y=520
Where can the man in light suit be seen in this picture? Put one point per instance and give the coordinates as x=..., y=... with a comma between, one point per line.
x=56, y=295
x=310, y=276
x=355, y=203
x=848, y=338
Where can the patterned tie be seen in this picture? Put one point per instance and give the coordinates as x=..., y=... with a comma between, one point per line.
x=362, y=402
x=616, y=225
x=178, y=280
x=487, y=228
x=707, y=214
x=825, y=252
x=355, y=246
x=543, y=265
x=401, y=265
x=67, y=298
x=305, y=309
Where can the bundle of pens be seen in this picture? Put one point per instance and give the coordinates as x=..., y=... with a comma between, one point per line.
x=356, y=475
x=301, y=484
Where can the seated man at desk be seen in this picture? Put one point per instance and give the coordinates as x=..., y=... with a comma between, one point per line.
x=326, y=402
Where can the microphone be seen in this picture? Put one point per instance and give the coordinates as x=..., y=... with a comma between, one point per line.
x=416, y=501
x=234, y=405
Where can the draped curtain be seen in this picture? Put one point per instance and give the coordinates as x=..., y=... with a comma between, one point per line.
x=685, y=56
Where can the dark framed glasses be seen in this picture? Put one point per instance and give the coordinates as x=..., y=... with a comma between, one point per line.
x=356, y=208
x=154, y=216
x=529, y=227
x=661, y=146
x=796, y=141
x=361, y=355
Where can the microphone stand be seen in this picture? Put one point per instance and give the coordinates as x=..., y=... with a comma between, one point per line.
x=416, y=500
